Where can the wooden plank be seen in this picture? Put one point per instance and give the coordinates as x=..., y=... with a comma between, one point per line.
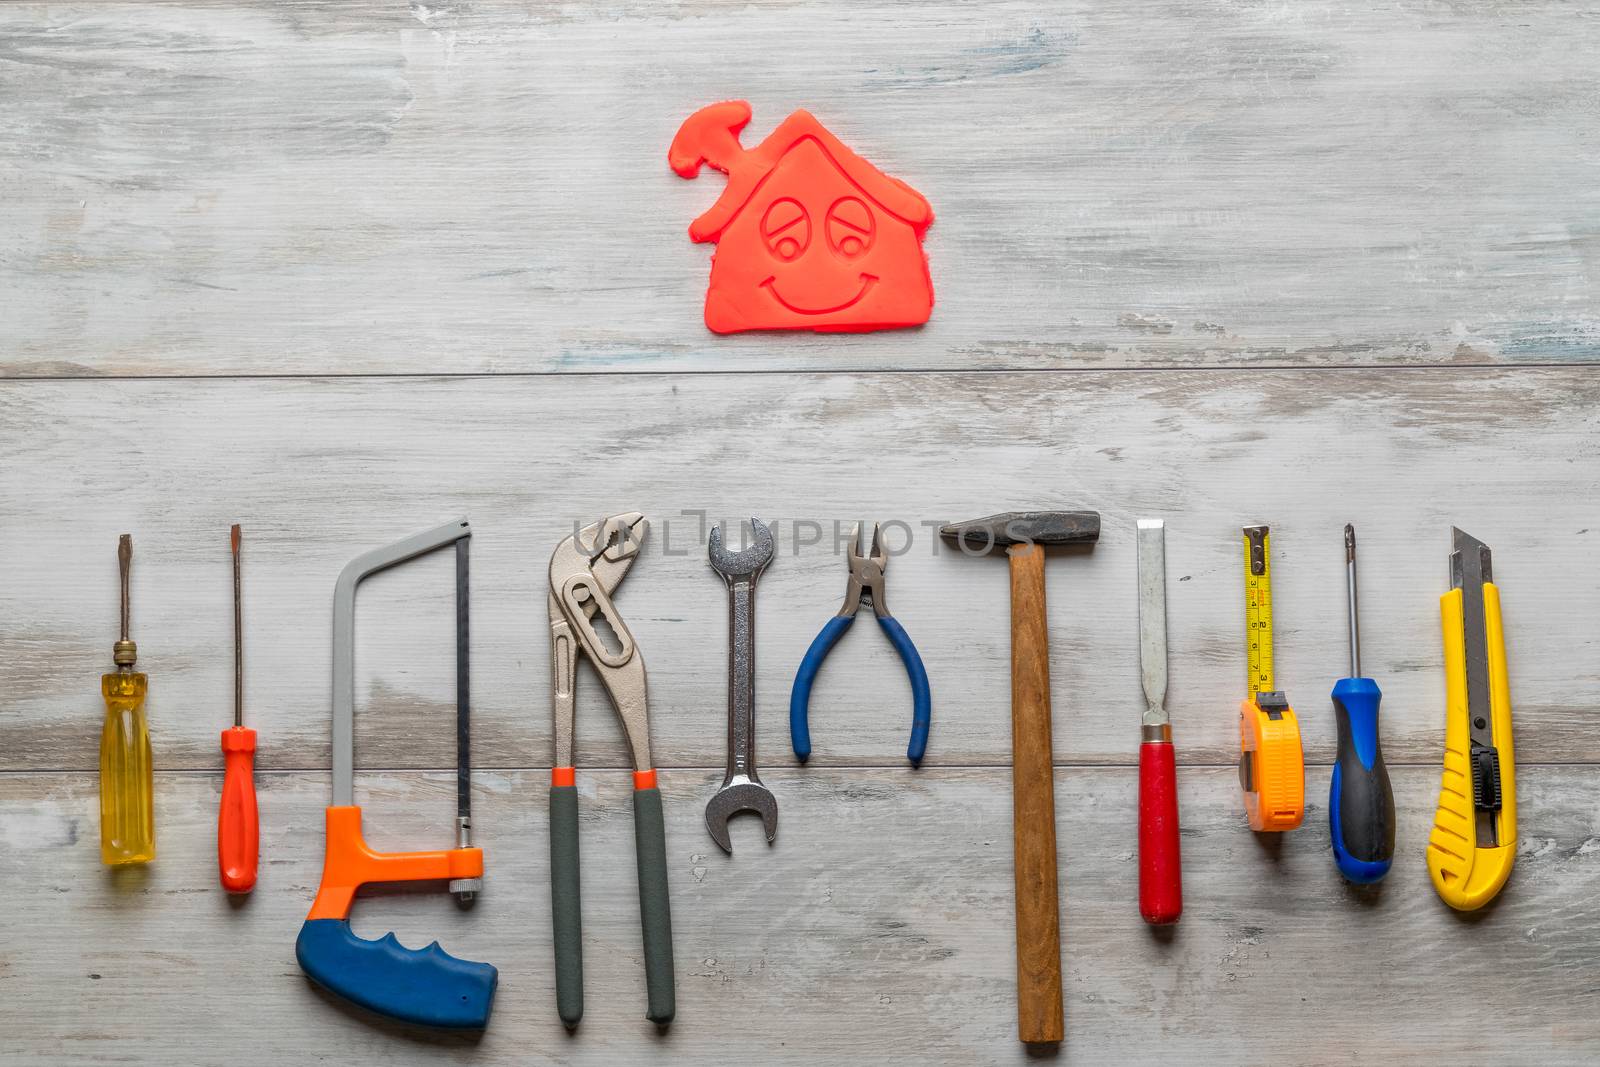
x=319, y=470
x=878, y=927
x=243, y=187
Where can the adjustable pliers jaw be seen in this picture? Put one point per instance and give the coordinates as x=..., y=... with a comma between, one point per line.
x=585, y=570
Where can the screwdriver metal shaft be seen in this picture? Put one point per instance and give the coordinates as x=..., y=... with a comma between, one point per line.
x=1350, y=585
x=238, y=634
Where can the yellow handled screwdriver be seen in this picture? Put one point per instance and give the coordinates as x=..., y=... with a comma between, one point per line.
x=127, y=792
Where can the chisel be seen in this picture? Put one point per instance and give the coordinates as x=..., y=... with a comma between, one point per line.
x=1160, y=872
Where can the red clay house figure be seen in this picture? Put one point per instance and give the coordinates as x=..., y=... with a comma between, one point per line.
x=809, y=235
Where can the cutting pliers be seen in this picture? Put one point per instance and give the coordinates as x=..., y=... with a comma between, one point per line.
x=866, y=581
x=584, y=570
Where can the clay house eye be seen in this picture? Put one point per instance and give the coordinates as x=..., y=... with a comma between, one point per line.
x=850, y=227
x=786, y=228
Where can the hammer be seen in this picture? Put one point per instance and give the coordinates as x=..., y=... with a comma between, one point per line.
x=1023, y=535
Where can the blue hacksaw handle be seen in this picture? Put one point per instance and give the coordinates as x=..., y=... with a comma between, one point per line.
x=428, y=987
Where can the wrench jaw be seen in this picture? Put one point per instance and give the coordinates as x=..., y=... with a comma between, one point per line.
x=746, y=563
x=740, y=794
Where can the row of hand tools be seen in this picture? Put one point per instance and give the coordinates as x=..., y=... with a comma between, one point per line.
x=1470, y=851
x=1474, y=838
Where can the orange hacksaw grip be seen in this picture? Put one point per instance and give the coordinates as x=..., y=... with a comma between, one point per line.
x=351, y=863
x=426, y=987
x=809, y=235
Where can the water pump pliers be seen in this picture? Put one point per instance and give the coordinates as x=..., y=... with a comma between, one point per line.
x=584, y=571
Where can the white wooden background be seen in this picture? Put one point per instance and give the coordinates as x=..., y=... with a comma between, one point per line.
x=341, y=271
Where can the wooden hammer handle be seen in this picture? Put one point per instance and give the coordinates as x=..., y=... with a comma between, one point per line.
x=1034, y=804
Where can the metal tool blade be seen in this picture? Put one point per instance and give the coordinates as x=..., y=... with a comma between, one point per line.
x=465, y=889
x=234, y=538
x=1351, y=599
x=1152, y=545
x=1470, y=567
x=463, y=682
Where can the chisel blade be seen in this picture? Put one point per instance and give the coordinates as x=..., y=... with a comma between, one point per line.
x=1152, y=549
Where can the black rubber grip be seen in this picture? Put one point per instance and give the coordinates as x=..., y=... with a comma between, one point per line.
x=655, y=906
x=565, y=906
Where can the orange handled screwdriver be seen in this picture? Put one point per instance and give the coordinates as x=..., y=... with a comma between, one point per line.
x=238, y=829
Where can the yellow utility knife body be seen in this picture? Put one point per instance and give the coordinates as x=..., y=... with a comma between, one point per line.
x=1474, y=838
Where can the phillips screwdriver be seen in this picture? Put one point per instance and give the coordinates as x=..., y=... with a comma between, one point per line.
x=1360, y=802
x=238, y=829
x=127, y=789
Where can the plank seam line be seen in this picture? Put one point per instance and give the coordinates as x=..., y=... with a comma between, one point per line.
x=801, y=372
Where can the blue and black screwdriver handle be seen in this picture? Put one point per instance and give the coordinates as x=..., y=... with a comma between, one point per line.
x=1360, y=802
x=866, y=580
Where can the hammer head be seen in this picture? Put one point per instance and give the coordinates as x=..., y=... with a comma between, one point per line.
x=978, y=536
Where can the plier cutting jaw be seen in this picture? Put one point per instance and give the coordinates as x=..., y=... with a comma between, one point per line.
x=865, y=583
x=585, y=570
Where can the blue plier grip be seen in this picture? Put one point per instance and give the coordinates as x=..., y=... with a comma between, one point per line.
x=921, y=696
x=800, y=695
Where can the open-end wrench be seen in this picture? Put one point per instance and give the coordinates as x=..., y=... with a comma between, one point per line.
x=741, y=787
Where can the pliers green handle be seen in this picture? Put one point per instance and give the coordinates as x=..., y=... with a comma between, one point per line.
x=866, y=580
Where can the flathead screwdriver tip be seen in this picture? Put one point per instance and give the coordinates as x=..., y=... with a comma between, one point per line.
x=235, y=538
x=1349, y=543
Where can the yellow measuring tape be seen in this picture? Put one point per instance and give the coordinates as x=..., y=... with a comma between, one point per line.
x=1257, y=610
x=1271, y=761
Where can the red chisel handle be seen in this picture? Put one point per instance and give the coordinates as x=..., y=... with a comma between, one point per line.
x=1160, y=871
x=238, y=830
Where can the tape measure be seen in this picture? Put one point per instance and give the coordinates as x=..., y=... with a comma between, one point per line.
x=1271, y=760
x=1257, y=611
